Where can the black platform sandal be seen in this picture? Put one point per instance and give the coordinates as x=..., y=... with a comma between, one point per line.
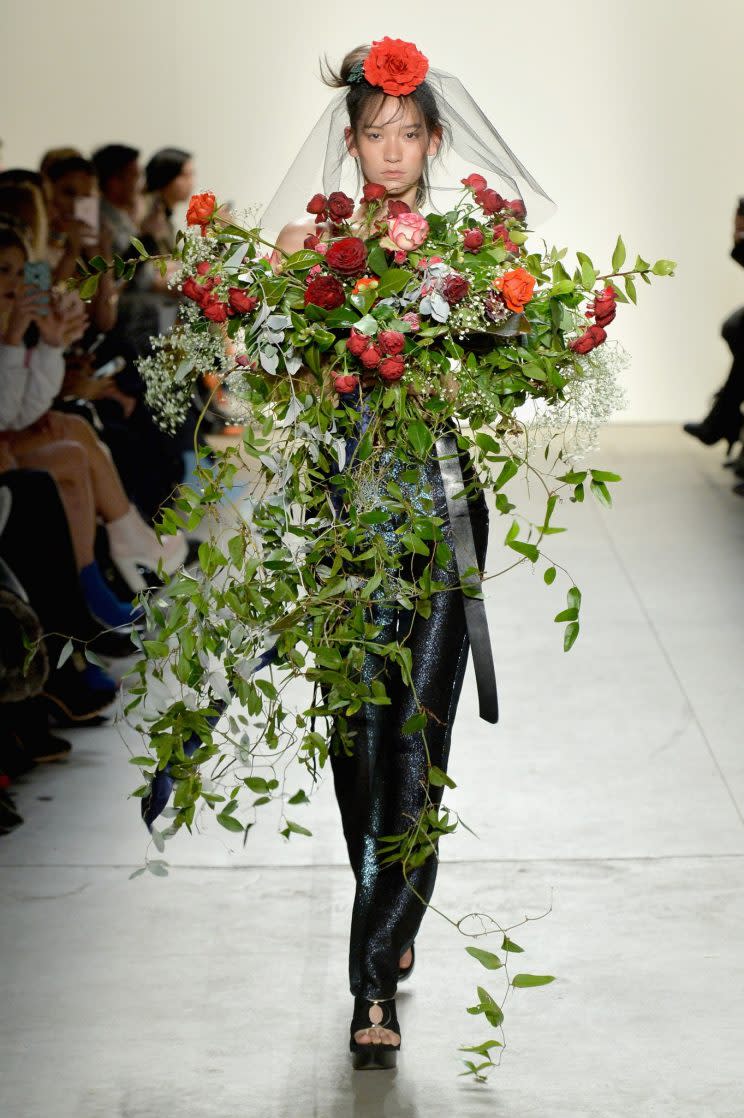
x=377, y=1013
x=405, y=972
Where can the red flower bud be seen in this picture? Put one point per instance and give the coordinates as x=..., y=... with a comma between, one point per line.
x=392, y=368
x=472, y=240
x=373, y=192
x=357, y=343
x=241, y=301
x=371, y=357
x=391, y=341
x=346, y=383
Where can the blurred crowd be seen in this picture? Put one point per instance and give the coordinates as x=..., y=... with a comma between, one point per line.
x=724, y=420
x=84, y=470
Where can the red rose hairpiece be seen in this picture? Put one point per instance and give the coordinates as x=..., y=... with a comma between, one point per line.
x=396, y=66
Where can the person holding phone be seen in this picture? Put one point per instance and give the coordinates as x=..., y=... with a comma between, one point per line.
x=724, y=420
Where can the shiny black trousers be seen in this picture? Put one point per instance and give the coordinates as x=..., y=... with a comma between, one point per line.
x=381, y=786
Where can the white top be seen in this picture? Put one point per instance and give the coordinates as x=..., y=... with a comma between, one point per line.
x=29, y=382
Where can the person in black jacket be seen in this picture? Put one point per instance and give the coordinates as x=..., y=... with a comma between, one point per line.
x=724, y=420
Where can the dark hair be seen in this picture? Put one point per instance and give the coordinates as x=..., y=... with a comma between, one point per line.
x=362, y=96
x=19, y=176
x=110, y=161
x=165, y=166
x=73, y=165
x=11, y=234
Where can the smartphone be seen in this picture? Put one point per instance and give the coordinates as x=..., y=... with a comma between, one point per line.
x=88, y=210
x=111, y=368
x=38, y=274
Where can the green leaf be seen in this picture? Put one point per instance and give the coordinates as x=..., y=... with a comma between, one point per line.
x=523, y=980
x=485, y=958
x=549, y=575
x=574, y=597
x=618, y=256
x=393, y=281
x=601, y=492
x=229, y=822
x=295, y=828
x=440, y=779
x=65, y=653
x=481, y=1049
x=588, y=271
x=630, y=289
x=98, y=263
x=509, y=945
x=572, y=632
x=605, y=475
x=299, y=797
x=377, y=260
x=508, y=470
x=420, y=438
x=415, y=723
x=144, y=254
x=492, y=1010
x=664, y=267
x=527, y=549
x=302, y=260
x=567, y=615
x=89, y=286
x=487, y=442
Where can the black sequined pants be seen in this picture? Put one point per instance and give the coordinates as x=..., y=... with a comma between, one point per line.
x=380, y=788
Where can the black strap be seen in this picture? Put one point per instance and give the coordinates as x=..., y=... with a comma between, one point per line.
x=467, y=560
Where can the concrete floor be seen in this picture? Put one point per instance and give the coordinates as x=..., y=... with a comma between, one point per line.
x=610, y=793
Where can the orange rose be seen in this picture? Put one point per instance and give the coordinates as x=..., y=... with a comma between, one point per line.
x=396, y=66
x=201, y=208
x=516, y=287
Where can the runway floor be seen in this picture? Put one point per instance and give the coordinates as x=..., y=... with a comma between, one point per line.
x=610, y=797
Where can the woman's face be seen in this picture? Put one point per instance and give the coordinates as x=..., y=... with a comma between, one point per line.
x=392, y=151
x=12, y=261
x=181, y=187
x=66, y=189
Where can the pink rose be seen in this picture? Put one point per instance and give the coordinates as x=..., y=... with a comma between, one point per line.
x=426, y=261
x=408, y=231
x=400, y=256
x=412, y=319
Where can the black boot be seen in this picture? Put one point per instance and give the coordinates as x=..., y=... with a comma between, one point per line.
x=723, y=421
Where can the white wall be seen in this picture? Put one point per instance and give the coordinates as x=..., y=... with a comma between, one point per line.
x=629, y=115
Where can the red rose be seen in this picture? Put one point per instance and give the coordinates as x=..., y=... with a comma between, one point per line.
x=455, y=288
x=203, y=267
x=392, y=368
x=475, y=182
x=371, y=357
x=472, y=240
x=503, y=232
x=589, y=340
x=311, y=241
x=241, y=301
x=395, y=207
x=356, y=343
x=340, y=206
x=348, y=256
x=517, y=208
x=346, y=383
x=325, y=292
x=193, y=290
x=373, y=192
x=489, y=201
x=604, y=307
x=215, y=310
x=391, y=341
x=201, y=208
x=396, y=66
x=317, y=205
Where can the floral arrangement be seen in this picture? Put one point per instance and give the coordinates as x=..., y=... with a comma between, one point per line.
x=348, y=358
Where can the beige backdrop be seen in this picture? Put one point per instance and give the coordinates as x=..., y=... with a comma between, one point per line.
x=629, y=115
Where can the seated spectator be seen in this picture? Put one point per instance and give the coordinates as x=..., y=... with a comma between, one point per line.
x=169, y=181
x=32, y=434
